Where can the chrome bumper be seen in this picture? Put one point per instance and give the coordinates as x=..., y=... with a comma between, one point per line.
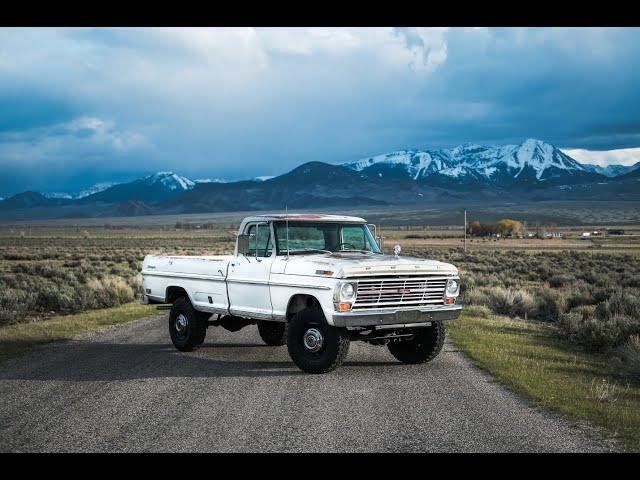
x=396, y=316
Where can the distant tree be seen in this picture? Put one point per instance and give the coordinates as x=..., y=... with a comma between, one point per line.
x=507, y=226
x=475, y=228
x=504, y=227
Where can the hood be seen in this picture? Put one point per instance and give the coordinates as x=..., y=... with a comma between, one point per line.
x=345, y=265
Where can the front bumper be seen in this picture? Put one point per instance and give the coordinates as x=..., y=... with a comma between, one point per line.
x=396, y=316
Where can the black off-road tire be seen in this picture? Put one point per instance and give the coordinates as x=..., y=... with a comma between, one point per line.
x=273, y=334
x=196, y=329
x=425, y=345
x=335, y=345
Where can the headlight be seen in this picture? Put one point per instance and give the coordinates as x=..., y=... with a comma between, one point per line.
x=344, y=296
x=452, y=287
x=347, y=291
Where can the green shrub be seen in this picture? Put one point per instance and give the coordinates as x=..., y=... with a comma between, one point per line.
x=481, y=311
x=548, y=305
x=515, y=303
x=561, y=280
x=620, y=303
x=594, y=333
x=629, y=353
x=580, y=294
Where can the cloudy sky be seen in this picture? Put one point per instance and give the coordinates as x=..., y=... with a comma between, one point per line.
x=80, y=106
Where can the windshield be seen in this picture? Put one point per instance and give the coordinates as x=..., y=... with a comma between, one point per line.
x=324, y=236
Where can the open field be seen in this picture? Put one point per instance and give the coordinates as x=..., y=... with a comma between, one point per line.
x=47, y=272
x=588, y=214
x=52, y=270
x=589, y=293
x=62, y=278
x=571, y=240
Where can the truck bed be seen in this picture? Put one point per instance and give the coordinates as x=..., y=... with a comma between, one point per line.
x=203, y=277
x=187, y=264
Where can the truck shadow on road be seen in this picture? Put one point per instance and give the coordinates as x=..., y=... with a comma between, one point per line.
x=89, y=362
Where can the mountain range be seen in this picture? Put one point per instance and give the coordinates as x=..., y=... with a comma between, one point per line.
x=533, y=170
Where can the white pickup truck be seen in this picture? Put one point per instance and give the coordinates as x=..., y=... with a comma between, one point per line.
x=313, y=282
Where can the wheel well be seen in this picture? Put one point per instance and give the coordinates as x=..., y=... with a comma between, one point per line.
x=174, y=293
x=300, y=302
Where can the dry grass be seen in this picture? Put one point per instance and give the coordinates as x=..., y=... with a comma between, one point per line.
x=18, y=338
x=46, y=272
x=453, y=239
x=528, y=358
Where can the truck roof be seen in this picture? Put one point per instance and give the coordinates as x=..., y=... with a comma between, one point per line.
x=304, y=217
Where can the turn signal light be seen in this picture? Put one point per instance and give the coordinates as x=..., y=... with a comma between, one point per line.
x=449, y=301
x=324, y=272
x=344, y=307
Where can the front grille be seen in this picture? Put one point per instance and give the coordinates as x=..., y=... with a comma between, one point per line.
x=399, y=291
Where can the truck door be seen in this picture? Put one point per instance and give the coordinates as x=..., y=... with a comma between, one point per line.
x=248, y=279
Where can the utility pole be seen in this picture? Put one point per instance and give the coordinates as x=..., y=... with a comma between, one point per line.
x=465, y=231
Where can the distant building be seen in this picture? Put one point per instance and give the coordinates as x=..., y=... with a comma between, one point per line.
x=545, y=235
x=586, y=234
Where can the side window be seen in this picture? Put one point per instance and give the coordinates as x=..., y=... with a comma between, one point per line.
x=259, y=240
x=353, y=238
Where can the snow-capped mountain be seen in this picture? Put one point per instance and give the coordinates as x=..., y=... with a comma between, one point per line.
x=167, y=180
x=98, y=187
x=530, y=171
x=533, y=160
x=210, y=180
x=414, y=163
x=58, y=195
x=170, y=181
x=153, y=188
x=614, y=170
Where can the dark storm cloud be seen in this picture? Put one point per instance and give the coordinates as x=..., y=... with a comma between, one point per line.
x=78, y=106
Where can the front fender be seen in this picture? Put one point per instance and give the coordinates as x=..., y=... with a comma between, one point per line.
x=285, y=287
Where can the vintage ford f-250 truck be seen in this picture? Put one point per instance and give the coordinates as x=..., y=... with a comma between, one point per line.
x=314, y=282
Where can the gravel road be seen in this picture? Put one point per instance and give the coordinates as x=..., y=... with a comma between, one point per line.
x=126, y=389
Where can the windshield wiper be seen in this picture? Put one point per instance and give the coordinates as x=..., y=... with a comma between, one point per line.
x=303, y=250
x=356, y=250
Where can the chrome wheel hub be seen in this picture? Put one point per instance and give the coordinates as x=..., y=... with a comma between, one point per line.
x=313, y=340
x=181, y=323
